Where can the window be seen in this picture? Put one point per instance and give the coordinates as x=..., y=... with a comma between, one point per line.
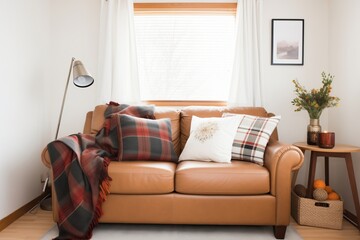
x=185, y=51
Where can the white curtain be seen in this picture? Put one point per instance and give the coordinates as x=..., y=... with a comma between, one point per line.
x=245, y=88
x=118, y=74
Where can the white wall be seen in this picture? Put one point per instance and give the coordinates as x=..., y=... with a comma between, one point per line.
x=278, y=89
x=74, y=33
x=344, y=48
x=38, y=39
x=23, y=53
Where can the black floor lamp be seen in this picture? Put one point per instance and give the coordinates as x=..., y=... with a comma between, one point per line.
x=82, y=79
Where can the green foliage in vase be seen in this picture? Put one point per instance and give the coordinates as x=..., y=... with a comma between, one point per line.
x=316, y=100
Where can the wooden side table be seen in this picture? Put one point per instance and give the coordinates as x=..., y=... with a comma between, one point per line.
x=339, y=151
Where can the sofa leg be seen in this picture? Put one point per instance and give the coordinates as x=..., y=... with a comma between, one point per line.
x=279, y=232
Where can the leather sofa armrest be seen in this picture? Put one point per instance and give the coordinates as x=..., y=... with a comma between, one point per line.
x=45, y=157
x=281, y=159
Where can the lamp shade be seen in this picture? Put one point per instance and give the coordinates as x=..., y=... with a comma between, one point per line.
x=81, y=76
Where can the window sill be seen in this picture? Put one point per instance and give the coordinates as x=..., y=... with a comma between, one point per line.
x=187, y=103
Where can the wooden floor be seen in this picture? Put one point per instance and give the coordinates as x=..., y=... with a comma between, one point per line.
x=32, y=225
x=35, y=225
x=348, y=232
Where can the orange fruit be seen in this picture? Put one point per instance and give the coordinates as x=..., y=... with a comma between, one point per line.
x=328, y=189
x=319, y=183
x=333, y=196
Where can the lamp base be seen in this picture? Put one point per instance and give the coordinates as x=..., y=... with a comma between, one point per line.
x=46, y=204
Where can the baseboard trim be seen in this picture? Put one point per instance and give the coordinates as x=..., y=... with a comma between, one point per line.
x=6, y=221
x=350, y=217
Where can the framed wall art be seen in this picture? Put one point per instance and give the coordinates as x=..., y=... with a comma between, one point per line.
x=287, y=42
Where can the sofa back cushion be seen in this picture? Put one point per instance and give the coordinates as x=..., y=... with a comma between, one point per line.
x=201, y=111
x=180, y=119
x=174, y=115
x=97, y=119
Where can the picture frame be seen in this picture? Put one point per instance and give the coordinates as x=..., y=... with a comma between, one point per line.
x=287, y=42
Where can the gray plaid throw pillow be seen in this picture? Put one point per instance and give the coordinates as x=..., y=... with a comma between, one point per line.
x=252, y=137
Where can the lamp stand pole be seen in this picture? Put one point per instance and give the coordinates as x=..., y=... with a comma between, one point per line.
x=63, y=101
x=46, y=202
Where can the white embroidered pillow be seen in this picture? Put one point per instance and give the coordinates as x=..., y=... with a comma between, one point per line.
x=252, y=137
x=210, y=139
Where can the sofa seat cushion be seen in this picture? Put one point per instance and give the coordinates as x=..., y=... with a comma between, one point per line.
x=141, y=177
x=210, y=178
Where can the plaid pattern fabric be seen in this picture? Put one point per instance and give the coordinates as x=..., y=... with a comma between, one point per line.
x=81, y=182
x=107, y=137
x=145, y=139
x=138, y=111
x=252, y=137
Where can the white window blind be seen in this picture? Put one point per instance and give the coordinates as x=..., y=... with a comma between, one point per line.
x=185, y=56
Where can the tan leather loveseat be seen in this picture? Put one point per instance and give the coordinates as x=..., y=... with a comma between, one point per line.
x=194, y=192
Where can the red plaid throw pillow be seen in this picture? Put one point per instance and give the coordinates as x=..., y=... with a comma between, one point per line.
x=145, y=139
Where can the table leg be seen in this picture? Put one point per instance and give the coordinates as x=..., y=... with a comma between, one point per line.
x=312, y=169
x=327, y=171
x=350, y=169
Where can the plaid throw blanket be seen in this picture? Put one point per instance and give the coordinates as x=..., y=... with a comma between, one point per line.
x=81, y=181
